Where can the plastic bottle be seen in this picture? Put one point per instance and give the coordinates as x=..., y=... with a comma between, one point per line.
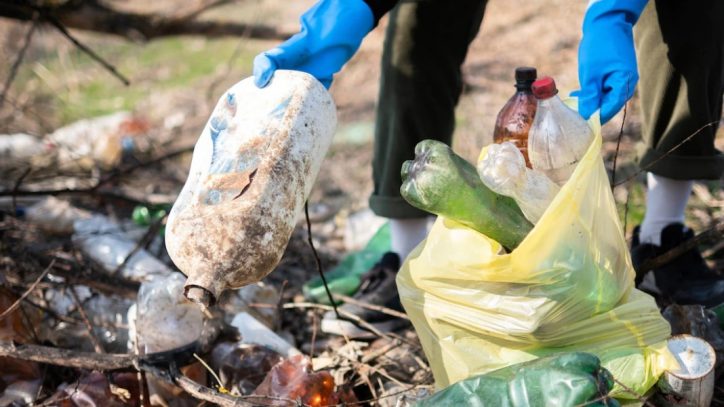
x=55, y=216
x=559, y=136
x=108, y=245
x=251, y=172
x=516, y=117
x=503, y=170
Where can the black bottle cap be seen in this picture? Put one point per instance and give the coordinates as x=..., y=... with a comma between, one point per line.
x=525, y=74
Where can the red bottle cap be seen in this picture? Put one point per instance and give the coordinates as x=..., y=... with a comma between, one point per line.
x=544, y=88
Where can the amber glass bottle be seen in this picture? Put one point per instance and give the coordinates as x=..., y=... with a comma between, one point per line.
x=516, y=117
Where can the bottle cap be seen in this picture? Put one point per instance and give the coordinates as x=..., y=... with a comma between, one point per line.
x=525, y=73
x=544, y=88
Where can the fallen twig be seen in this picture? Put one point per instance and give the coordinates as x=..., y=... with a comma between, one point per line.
x=109, y=362
x=89, y=327
x=378, y=308
x=27, y=292
x=666, y=154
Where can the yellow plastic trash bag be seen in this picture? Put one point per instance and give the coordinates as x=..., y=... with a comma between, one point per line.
x=569, y=286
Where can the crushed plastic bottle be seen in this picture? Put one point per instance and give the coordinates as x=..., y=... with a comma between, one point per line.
x=559, y=136
x=504, y=171
x=164, y=320
x=293, y=379
x=108, y=244
x=252, y=169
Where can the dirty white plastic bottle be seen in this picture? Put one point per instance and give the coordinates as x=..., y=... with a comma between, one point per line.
x=252, y=170
x=559, y=136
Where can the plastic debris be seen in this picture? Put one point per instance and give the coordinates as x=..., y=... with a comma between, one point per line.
x=242, y=367
x=164, y=319
x=90, y=142
x=503, y=170
x=108, y=245
x=55, y=216
x=253, y=331
x=293, y=379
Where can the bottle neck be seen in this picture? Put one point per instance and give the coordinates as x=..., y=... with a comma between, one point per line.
x=524, y=86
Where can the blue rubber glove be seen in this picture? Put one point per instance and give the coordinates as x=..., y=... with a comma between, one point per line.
x=332, y=31
x=606, y=57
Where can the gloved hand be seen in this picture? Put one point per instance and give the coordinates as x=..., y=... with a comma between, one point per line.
x=332, y=31
x=568, y=379
x=606, y=57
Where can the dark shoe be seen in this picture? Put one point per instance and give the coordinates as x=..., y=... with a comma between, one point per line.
x=378, y=287
x=684, y=280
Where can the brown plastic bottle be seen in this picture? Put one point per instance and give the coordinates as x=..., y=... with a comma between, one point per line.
x=516, y=117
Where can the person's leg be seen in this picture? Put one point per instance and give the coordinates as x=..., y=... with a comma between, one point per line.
x=680, y=50
x=425, y=45
x=665, y=204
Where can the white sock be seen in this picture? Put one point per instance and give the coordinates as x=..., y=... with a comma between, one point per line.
x=406, y=234
x=665, y=204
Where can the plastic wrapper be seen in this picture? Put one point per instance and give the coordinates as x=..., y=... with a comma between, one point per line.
x=502, y=169
x=568, y=286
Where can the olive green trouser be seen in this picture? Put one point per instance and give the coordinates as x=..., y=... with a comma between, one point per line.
x=680, y=46
x=421, y=82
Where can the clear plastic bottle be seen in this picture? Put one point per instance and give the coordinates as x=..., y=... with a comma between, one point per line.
x=516, y=117
x=559, y=136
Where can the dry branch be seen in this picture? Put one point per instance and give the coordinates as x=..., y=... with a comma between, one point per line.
x=108, y=362
x=91, y=15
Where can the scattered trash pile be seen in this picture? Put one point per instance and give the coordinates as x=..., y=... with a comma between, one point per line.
x=93, y=313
